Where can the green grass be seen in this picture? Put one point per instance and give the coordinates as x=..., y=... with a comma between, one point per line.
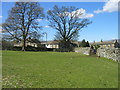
x=57, y=70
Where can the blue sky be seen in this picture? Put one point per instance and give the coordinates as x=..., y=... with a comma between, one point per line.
x=104, y=26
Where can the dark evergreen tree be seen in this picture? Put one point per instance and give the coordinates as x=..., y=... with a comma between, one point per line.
x=87, y=44
x=83, y=43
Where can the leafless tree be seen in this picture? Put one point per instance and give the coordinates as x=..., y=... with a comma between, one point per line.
x=22, y=21
x=67, y=21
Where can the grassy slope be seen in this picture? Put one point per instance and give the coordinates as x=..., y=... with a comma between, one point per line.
x=57, y=70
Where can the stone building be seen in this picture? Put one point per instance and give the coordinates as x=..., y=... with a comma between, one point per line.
x=55, y=44
x=31, y=42
x=27, y=44
x=107, y=44
x=51, y=44
x=48, y=44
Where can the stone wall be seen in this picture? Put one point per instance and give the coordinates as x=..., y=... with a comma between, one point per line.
x=83, y=50
x=110, y=53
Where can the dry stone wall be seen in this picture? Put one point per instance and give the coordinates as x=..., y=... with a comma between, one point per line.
x=110, y=53
x=85, y=50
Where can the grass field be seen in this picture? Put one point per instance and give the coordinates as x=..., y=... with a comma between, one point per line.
x=57, y=70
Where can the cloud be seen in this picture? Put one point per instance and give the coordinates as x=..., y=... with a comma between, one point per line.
x=110, y=6
x=0, y=16
x=39, y=20
x=47, y=26
x=80, y=13
x=46, y=20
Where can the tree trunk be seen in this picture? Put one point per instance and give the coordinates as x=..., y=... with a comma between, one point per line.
x=24, y=45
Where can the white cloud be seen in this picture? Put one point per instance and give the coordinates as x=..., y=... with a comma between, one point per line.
x=46, y=26
x=0, y=16
x=98, y=11
x=54, y=0
x=110, y=6
x=80, y=13
x=46, y=20
x=39, y=20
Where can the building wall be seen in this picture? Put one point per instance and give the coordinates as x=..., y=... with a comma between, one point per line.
x=30, y=44
x=108, y=45
x=52, y=46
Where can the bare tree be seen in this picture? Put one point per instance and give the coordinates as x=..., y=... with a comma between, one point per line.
x=22, y=21
x=67, y=21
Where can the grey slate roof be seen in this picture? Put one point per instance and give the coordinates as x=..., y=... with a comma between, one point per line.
x=105, y=42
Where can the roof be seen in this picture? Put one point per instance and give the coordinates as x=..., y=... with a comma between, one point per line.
x=56, y=42
x=105, y=42
x=50, y=42
x=76, y=42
